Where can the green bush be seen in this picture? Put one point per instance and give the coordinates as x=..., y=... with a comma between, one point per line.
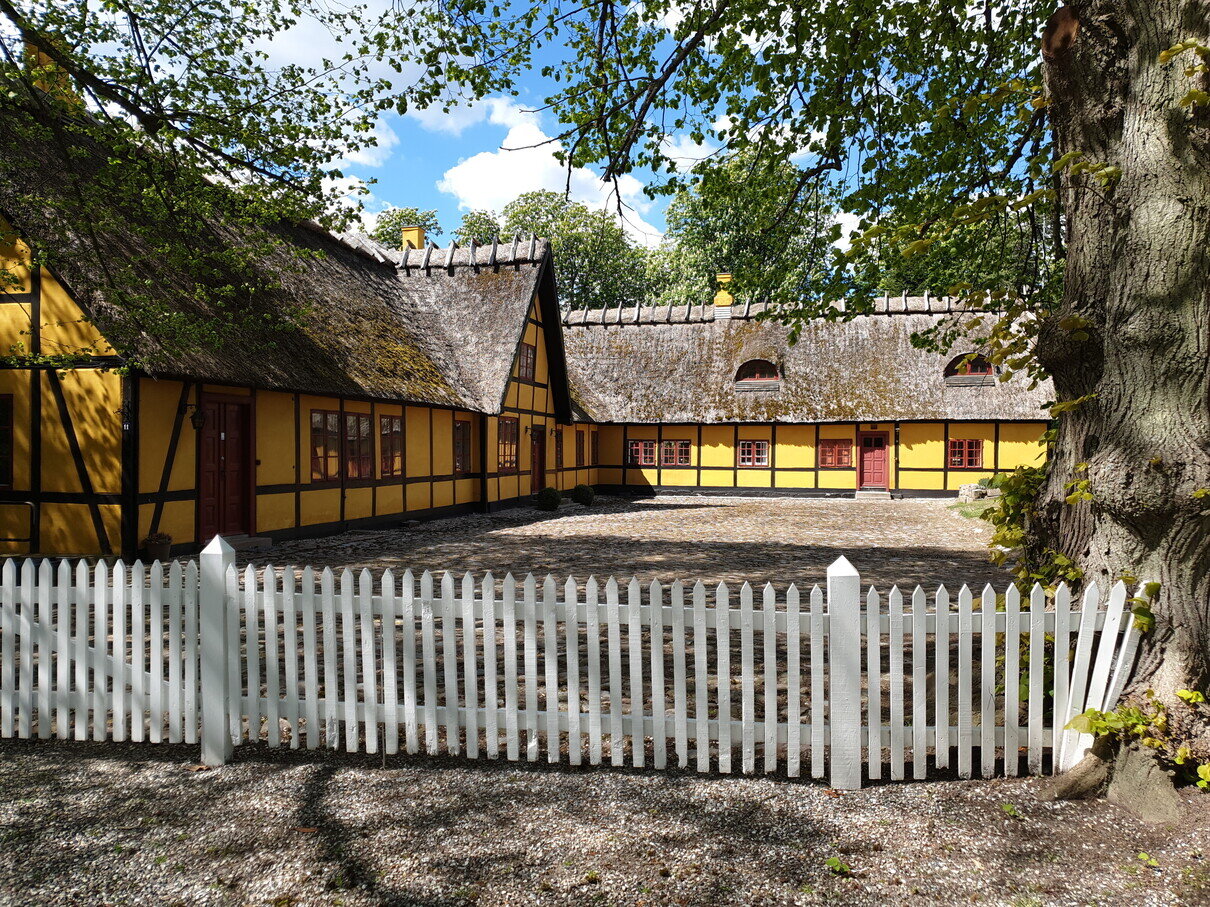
x=583, y=494
x=548, y=499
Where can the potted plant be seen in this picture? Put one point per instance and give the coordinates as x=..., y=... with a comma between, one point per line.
x=158, y=546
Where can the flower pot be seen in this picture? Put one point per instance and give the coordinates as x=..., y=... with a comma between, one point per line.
x=159, y=551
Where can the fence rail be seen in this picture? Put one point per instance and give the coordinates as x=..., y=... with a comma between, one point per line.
x=833, y=682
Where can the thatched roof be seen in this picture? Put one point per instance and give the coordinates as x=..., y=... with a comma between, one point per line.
x=662, y=365
x=339, y=314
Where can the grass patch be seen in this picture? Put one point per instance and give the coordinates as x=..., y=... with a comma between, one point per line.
x=973, y=510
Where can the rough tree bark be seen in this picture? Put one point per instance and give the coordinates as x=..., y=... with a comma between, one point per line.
x=1138, y=269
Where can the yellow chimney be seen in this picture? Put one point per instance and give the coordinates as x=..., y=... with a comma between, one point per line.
x=722, y=297
x=413, y=238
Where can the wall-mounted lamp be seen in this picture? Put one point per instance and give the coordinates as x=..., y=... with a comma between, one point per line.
x=197, y=418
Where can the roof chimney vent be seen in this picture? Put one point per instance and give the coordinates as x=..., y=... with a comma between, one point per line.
x=413, y=238
x=722, y=297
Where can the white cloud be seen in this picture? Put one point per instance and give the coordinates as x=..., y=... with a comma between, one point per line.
x=686, y=152
x=380, y=152
x=525, y=162
x=498, y=111
x=848, y=223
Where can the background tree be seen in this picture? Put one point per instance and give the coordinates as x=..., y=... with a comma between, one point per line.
x=596, y=264
x=388, y=230
x=932, y=116
x=479, y=226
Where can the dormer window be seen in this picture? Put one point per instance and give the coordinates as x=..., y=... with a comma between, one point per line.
x=757, y=375
x=970, y=370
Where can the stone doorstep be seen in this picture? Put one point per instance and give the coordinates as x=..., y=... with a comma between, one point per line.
x=870, y=494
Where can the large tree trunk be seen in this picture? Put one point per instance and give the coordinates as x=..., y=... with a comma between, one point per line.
x=1138, y=269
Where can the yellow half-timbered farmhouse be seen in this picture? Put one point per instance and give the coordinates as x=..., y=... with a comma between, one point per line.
x=419, y=382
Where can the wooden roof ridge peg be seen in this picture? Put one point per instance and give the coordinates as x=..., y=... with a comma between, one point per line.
x=533, y=246
x=428, y=253
x=747, y=306
x=638, y=311
x=491, y=261
x=474, y=245
x=449, y=255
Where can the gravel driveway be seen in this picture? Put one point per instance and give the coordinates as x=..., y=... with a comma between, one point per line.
x=120, y=824
x=715, y=539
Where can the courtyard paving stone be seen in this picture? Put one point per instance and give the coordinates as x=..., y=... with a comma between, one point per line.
x=715, y=539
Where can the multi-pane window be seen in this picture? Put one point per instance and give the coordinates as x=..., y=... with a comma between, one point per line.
x=507, y=447
x=674, y=453
x=527, y=362
x=640, y=453
x=325, y=446
x=6, y=441
x=390, y=433
x=359, y=446
x=462, y=447
x=559, y=449
x=579, y=449
x=753, y=453
x=596, y=448
x=835, y=453
x=965, y=453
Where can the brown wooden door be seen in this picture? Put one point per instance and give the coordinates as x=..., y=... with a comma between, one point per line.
x=224, y=480
x=873, y=461
x=537, y=467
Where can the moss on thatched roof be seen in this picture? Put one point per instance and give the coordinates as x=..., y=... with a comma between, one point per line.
x=657, y=365
x=324, y=313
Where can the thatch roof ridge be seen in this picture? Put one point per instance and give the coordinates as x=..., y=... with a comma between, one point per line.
x=705, y=312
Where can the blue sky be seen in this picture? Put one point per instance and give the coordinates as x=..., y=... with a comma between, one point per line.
x=483, y=156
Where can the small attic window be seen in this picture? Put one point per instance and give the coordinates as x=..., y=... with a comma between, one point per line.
x=970, y=371
x=757, y=375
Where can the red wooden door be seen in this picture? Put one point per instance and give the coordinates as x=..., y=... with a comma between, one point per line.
x=873, y=461
x=224, y=489
x=537, y=467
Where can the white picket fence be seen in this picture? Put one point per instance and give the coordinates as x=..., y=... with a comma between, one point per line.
x=830, y=682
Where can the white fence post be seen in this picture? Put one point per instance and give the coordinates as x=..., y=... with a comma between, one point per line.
x=844, y=665
x=216, y=559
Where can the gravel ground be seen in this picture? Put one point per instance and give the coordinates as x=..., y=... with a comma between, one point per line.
x=123, y=824
x=714, y=539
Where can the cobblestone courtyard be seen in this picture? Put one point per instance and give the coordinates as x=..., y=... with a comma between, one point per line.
x=715, y=539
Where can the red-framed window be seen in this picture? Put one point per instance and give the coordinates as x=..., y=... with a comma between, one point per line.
x=325, y=446
x=6, y=441
x=462, y=447
x=359, y=446
x=965, y=453
x=596, y=448
x=509, y=432
x=640, y=453
x=390, y=445
x=579, y=449
x=753, y=453
x=835, y=453
x=674, y=453
x=757, y=370
x=527, y=362
x=558, y=448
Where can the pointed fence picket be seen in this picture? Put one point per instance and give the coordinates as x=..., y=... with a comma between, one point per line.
x=858, y=684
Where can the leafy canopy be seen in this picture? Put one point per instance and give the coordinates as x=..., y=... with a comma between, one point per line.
x=914, y=121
